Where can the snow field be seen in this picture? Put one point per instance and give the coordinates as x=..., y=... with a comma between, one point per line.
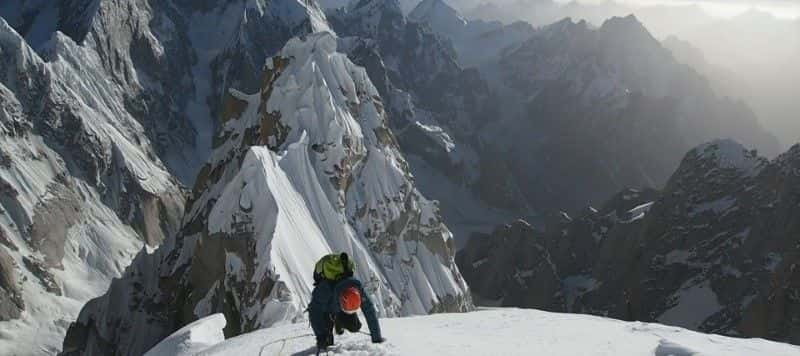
x=501, y=331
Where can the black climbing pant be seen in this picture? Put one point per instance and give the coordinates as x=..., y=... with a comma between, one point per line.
x=347, y=322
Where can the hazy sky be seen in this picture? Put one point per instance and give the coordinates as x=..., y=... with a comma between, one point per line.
x=725, y=8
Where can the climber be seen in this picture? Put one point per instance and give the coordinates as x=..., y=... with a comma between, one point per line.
x=336, y=298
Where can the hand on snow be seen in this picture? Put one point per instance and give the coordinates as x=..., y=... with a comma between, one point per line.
x=378, y=340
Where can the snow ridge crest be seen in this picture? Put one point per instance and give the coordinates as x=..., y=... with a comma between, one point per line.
x=302, y=168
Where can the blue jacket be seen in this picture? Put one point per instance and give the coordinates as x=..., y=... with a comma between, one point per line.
x=324, y=303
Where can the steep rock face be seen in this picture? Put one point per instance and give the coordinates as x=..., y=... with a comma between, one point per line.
x=435, y=105
x=716, y=251
x=440, y=92
x=725, y=236
x=306, y=166
x=439, y=16
x=81, y=191
x=564, y=251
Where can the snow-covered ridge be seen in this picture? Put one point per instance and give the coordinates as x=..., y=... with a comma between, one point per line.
x=304, y=167
x=485, y=332
x=338, y=155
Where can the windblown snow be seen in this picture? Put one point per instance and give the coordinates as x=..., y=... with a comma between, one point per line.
x=484, y=332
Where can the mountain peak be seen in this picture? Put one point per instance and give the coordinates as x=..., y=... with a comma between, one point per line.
x=440, y=16
x=433, y=9
x=567, y=26
x=628, y=31
x=624, y=24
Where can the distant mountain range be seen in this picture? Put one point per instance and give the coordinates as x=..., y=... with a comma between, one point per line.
x=580, y=113
x=759, y=48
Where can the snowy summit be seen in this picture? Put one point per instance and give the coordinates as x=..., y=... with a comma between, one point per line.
x=502, y=331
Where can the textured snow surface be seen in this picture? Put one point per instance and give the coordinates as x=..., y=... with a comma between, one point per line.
x=501, y=332
x=265, y=190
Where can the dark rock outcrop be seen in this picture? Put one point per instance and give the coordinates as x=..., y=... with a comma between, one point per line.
x=511, y=266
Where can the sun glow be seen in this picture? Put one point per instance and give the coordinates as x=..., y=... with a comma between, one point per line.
x=718, y=8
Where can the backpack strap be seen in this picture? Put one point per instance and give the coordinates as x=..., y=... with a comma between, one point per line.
x=349, y=266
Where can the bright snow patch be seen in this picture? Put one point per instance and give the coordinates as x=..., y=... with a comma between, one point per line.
x=503, y=331
x=192, y=338
x=639, y=212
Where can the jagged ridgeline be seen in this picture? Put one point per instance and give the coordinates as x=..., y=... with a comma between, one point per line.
x=304, y=167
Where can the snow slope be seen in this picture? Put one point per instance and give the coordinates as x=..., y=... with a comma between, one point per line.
x=485, y=332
